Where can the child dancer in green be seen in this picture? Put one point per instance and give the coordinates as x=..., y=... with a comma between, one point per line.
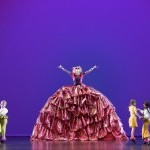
x=3, y=119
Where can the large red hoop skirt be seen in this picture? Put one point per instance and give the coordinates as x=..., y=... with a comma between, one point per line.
x=78, y=113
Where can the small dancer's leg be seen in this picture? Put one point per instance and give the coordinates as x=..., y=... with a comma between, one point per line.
x=132, y=133
x=132, y=138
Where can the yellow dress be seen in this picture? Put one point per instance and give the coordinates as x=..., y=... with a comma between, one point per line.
x=145, y=129
x=133, y=118
x=146, y=123
x=3, y=122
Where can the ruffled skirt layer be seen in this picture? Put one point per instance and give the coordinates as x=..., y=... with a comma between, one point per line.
x=78, y=113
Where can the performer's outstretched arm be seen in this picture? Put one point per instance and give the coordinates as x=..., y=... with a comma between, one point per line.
x=90, y=70
x=63, y=69
x=140, y=110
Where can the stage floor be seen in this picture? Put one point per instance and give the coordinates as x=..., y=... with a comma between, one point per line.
x=23, y=143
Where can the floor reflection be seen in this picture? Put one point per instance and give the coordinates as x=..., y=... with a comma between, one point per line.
x=24, y=143
x=3, y=146
x=77, y=145
x=88, y=145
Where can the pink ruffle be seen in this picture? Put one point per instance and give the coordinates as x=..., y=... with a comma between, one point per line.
x=78, y=113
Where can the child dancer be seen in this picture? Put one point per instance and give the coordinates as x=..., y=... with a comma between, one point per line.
x=146, y=119
x=3, y=119
x=133, y=118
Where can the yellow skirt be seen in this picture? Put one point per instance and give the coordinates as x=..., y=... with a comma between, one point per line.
x=3, y=121
x=145, y=129
x=133, y=121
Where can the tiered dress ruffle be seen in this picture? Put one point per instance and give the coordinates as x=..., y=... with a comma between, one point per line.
x=78, y=113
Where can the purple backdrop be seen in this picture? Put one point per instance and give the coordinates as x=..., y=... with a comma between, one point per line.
x=37, y=36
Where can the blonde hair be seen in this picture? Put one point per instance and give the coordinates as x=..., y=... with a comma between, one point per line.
x=4, y=101
x=76, y=67
x=132, y=101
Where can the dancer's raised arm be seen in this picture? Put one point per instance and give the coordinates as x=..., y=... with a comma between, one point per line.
x=90, y=70
x=63, y=69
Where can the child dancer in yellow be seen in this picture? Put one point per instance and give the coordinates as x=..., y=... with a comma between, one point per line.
x=133, y=118
x=3, y=119
x=146, y=123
